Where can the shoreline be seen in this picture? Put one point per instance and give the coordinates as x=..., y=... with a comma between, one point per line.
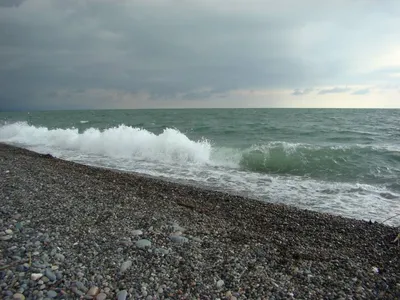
x=204, y=244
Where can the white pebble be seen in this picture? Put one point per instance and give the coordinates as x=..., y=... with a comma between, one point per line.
x=9, y=231
x=137, y=232
x=220, y=283
x=375, y=270
x=36, y=276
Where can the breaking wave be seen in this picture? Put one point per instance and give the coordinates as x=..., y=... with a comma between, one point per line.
x=326, y=162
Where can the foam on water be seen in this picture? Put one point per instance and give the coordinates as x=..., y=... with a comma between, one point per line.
x=171, y=154
x=122, y=141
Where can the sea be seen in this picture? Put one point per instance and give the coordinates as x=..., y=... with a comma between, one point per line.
x=340, y=161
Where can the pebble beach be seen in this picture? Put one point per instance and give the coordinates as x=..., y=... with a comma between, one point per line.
x=70, y=231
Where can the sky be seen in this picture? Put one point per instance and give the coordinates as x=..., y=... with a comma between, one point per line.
x=116, y=54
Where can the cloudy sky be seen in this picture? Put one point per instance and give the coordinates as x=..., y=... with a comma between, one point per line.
x=73, y=54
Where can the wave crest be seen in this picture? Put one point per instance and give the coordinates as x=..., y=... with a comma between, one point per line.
x=121, y=141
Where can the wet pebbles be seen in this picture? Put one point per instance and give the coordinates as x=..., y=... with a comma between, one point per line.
x=69, y=231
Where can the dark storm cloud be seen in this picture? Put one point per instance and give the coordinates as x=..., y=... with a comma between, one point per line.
x=10, y=3
x=188, y=50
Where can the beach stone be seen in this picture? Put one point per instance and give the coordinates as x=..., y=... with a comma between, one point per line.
x=93, y=291
x=59, y=275
x=125, y=266
x=75, y=290
x=176, y=227
x=50, y=275
x=59, y=257
x=8, y=231
x=161, y=251
x=141, y=244
x=220, y=283
x=51, y=294
x=137, y=232
x=18, y=296
x=6, y=237
x=122, y=295
x=45, y=258
x=178, y=239
x=81, y=286
x=101, y=296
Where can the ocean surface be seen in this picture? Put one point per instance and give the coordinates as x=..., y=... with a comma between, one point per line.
x=345, y=162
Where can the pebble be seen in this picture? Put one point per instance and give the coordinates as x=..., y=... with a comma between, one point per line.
x=6, y=237
x=36, y=276
x=81, y=286
x=125, y=266
x=50, y=275
x=179, y=239
x=220, y=283
x=122, y=295
x=18, y=296
x=9, y=231
x=141, y=244
x=51, y=294
x=93, y=291
x=137, y=232
x=176, y=228
x=59, y=257
x=101, y=296
x=59, y=275
x=77, y=291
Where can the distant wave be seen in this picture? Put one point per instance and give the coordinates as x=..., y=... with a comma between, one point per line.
x=84, y=122
x=327, y=162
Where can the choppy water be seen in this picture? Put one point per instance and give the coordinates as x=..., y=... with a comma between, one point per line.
x=345, y=162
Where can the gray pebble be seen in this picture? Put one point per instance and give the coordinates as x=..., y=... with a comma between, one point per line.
x=125, y=266
x=101, y=296
x=51, y=294
x=179, y=239
x=143, y=243
x=220, y=283
x=45, y=258
x=50, y=275
x=122, y=295
x=59, y=275
x=137, y=232
x=81, y=286
x=59, y=257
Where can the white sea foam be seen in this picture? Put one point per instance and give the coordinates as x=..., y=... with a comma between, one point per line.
x=122, y=141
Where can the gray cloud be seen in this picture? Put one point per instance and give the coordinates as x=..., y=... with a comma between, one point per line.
x=299, y=92
x=186, y=50
x=11, y=3
x=335, y=90
x=362, y=92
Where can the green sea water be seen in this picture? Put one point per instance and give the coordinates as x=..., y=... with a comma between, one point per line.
x=340, y=161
